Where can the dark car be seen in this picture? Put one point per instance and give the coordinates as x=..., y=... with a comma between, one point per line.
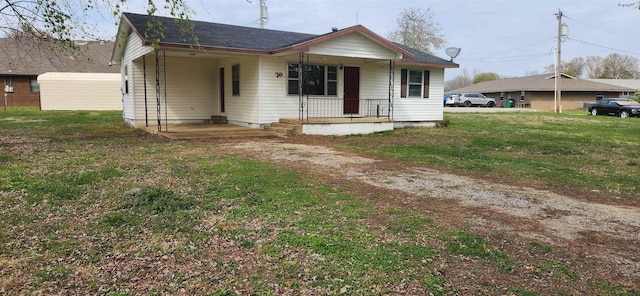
x=622, y=107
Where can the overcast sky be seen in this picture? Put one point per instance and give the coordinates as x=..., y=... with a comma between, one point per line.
x=508, y=37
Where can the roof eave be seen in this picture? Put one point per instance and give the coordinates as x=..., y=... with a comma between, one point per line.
x=435, y=65
x=174, y=45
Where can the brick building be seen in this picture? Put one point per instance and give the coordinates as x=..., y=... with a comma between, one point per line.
x=22, y=61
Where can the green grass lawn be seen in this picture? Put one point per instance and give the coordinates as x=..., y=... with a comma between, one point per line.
x=571, y=152
x=90, y=206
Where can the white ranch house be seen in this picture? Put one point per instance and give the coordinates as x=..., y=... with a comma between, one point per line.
x=347, y=81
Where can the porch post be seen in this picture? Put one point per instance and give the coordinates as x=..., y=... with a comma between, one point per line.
x=164, y=72
x=158, y=107
x=392, y=76
x=300, y=81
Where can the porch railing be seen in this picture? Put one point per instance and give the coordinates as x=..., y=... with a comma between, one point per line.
x=320, y=107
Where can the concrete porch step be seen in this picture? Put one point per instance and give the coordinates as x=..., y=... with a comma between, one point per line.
x=285, y=129
x=217, y=119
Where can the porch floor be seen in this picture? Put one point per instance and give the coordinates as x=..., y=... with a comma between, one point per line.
x=207, y=131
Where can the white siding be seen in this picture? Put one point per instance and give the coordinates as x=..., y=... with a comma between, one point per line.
x=134, y=49
x=190, y=87
x=420, y=109
x=374, y=84
x=276, y=103
x=242, y=109
x=80, y=91
x=352, y=45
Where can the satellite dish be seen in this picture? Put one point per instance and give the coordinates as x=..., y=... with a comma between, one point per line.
x=453, y=52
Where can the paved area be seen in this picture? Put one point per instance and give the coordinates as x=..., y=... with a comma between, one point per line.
x=486, y=110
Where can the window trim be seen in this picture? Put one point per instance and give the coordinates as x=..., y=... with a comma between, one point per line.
x=406, y=83
x=326, y=80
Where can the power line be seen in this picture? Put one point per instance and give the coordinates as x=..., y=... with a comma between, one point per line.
x=497, y=55
x=605, y=47
x=507, y=58
x=600, y=29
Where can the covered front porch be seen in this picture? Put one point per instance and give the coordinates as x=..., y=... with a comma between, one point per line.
x=285, y=127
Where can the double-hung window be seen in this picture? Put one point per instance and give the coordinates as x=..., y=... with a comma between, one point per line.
x=33, y=85
x=235, y=80
x=414, y=83
x=318, y=80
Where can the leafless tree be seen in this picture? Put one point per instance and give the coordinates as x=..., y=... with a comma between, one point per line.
x=62, y=22
x=417, y=29
x=486, y=76
x=617, y=66
x=575, y=67
x=461, y=80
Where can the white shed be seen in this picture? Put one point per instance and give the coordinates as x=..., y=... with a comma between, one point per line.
x=80, y=91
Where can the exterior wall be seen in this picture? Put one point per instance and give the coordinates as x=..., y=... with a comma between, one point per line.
x=242, y=109
x=352, y=45
x=275, y=102
x=80, y=91
x=569, y=100
x=420, y=109
x=22, y=94
x=134, y=49
x=345, y=129
x=543, y=100
x=374, y=84
x=189, y=84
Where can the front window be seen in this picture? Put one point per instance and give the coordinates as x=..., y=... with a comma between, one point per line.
x=235, y=79
x=319, y=80
x=414, y=83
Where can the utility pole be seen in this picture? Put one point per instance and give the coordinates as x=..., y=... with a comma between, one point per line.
x=558, y=108
x=263, y=13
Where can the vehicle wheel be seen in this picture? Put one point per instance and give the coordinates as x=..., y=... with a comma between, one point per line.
x=467, y=103
x=491, y=104
x=624, y=114
x=594, y=111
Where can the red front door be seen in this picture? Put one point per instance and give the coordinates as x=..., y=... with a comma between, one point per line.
x=351, y=90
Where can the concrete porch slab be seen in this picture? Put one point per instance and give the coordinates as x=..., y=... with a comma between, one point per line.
x=207, y=131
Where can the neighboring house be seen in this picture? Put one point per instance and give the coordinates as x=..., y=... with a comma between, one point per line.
x=255, y=77
x=538, y=91
x=23, y=61
x=629, y=83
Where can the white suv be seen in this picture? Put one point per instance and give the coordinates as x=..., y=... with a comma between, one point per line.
x=474, y=99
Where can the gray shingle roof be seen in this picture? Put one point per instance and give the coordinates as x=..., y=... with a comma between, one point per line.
x=30, y=57
x=545, y=82
x=216, y=35
x=423, y=57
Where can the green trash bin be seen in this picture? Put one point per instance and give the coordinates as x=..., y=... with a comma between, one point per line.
x=509, y=103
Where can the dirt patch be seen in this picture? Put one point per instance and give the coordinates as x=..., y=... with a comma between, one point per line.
x=608, y=233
